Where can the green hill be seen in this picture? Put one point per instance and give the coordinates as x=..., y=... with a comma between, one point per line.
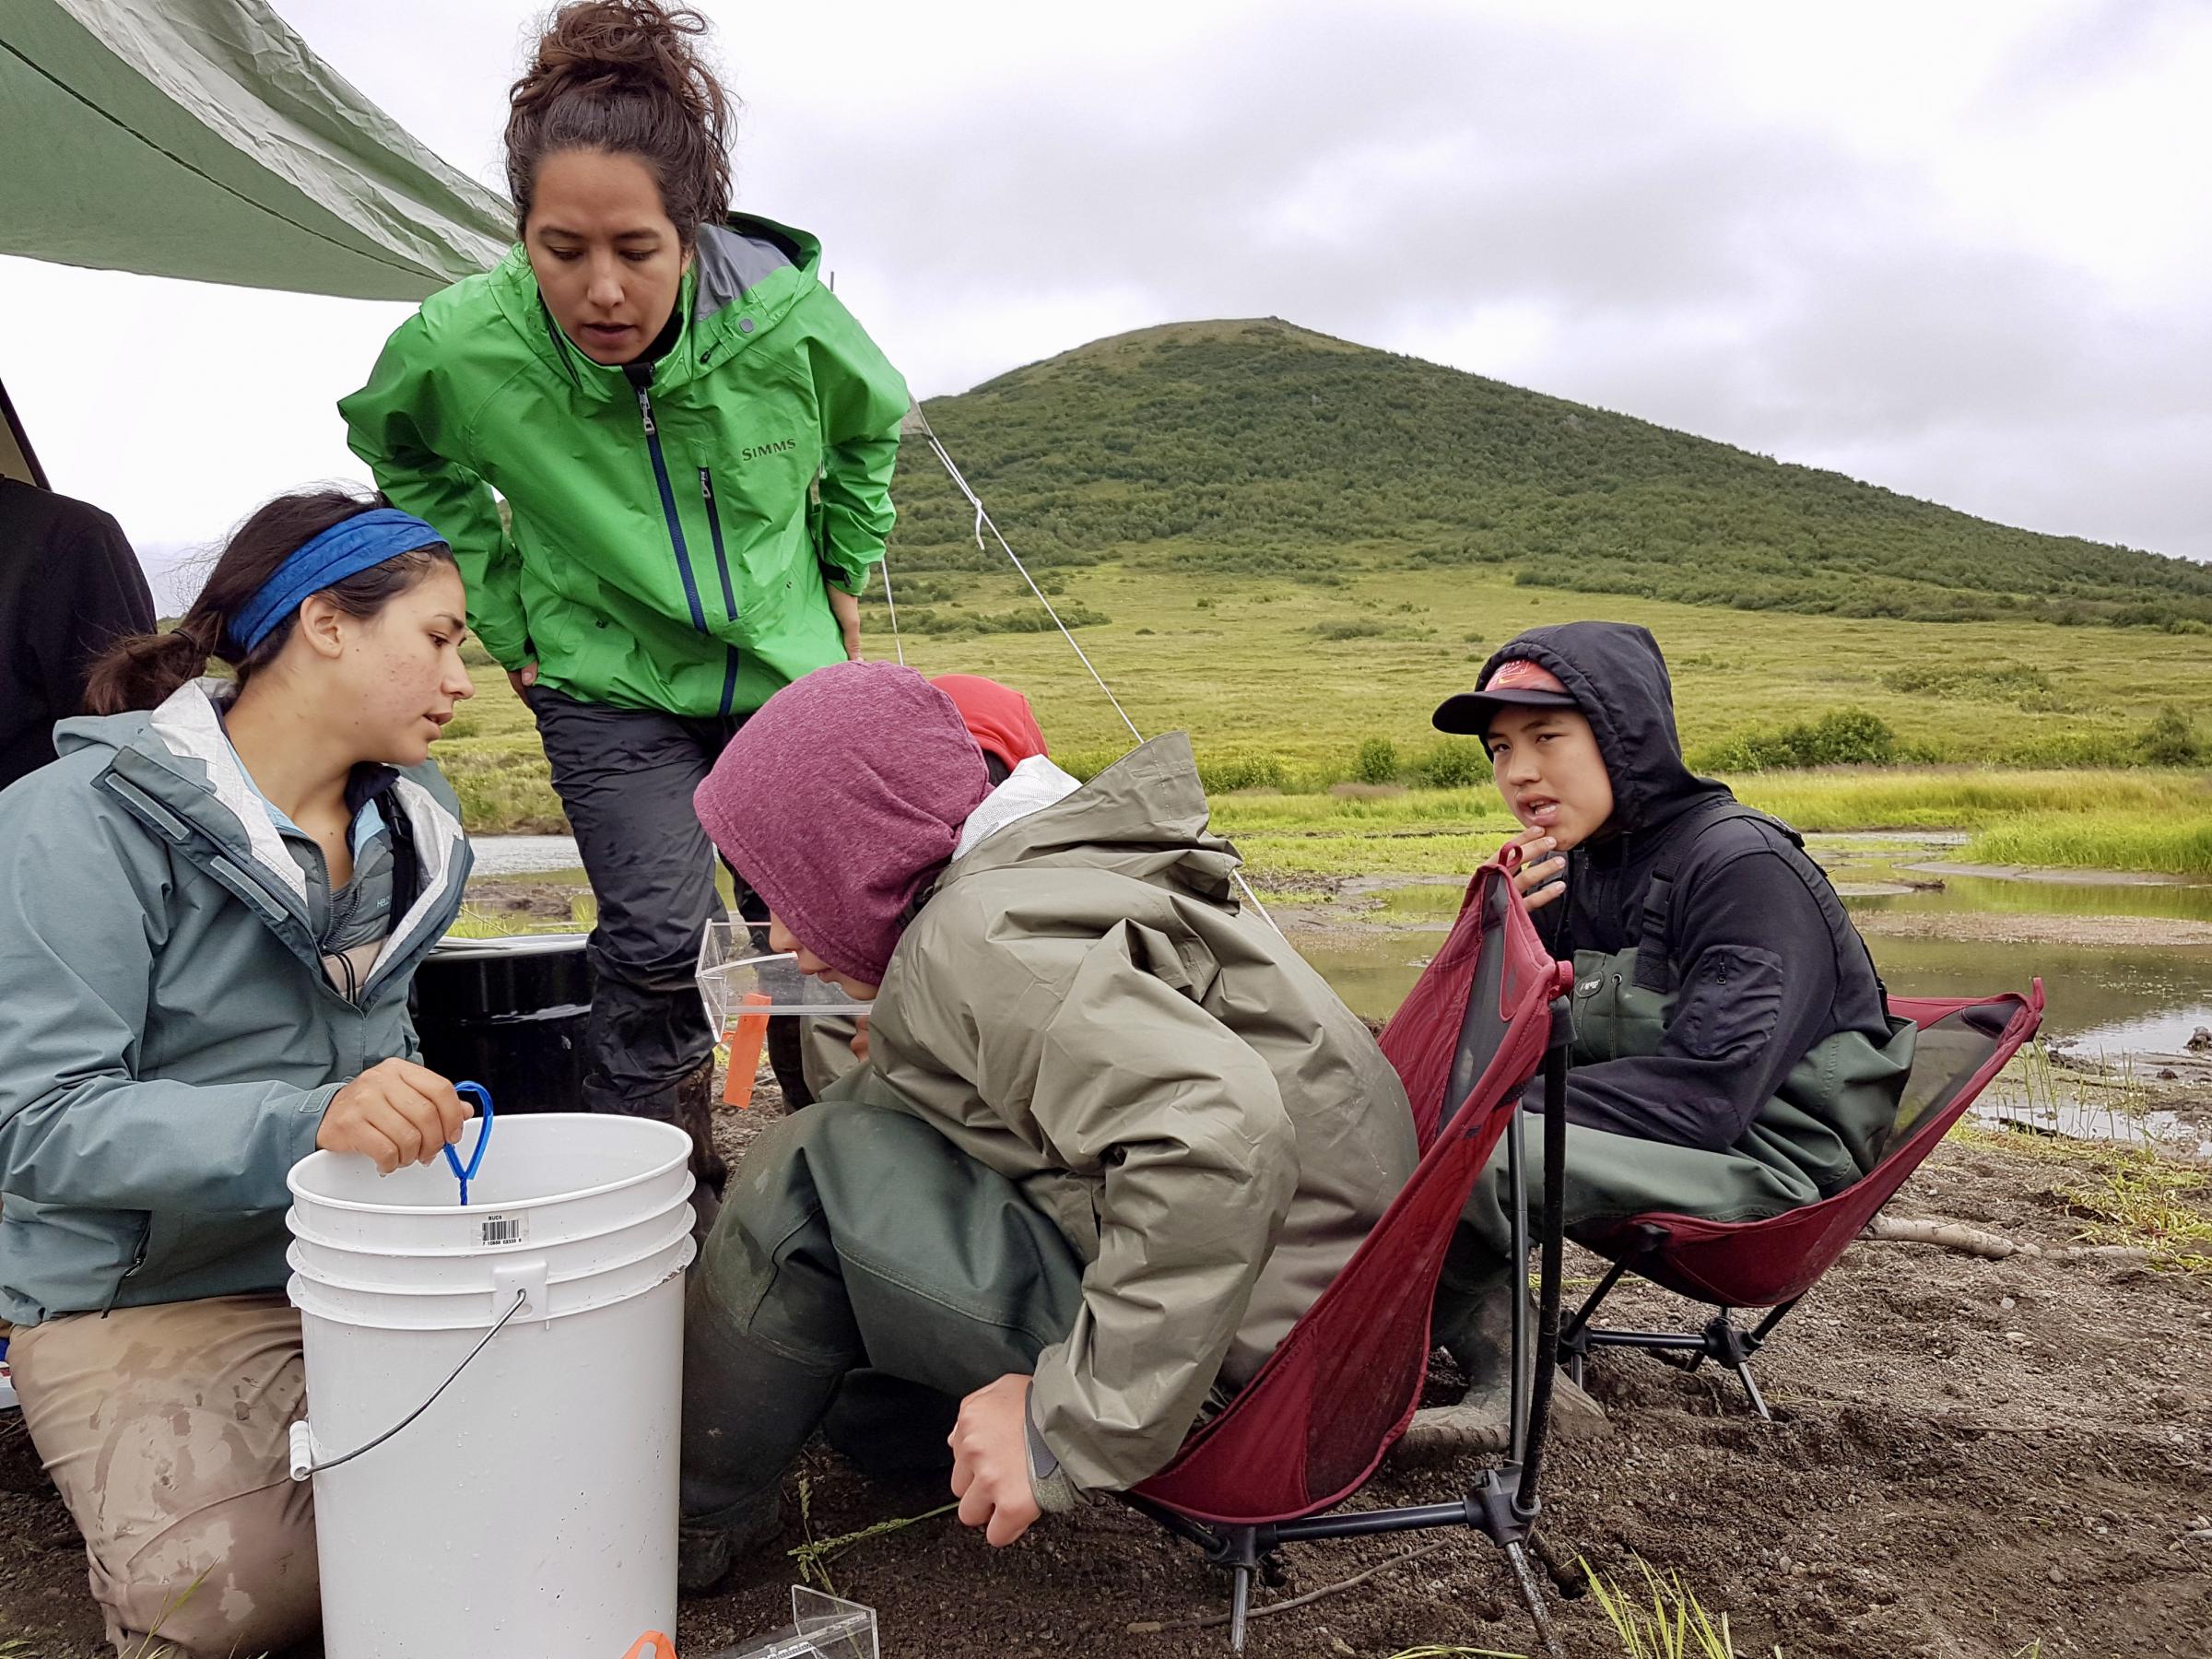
x=1259, y=449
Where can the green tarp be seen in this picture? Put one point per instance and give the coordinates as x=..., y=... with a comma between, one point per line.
x=201, y=138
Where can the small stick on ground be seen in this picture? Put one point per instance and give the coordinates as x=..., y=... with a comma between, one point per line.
x=1154, y=1626
x=1989, y=1246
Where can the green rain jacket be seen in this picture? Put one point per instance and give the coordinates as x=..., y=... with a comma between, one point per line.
x=169, y=1037
x=1083, y=1005
x=669, y=549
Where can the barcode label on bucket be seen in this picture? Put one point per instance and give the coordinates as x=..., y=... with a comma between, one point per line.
x=505, y=1229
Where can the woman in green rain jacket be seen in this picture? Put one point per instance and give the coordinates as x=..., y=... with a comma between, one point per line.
x=694, y=440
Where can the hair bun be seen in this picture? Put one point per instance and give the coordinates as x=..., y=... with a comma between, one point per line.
x=596, y=45
x=595, y=58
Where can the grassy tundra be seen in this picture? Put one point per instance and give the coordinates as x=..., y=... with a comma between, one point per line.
x=1291, y=547
x=1989, y=713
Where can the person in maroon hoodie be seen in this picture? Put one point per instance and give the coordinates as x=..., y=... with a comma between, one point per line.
x=1004, y=727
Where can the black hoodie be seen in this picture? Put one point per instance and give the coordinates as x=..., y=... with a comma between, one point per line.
x=1764, y=961
x=68, y=587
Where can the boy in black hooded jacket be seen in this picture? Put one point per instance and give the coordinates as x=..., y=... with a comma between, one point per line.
x=1733, y=1057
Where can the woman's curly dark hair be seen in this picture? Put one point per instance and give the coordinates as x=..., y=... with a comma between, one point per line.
x=625, y=78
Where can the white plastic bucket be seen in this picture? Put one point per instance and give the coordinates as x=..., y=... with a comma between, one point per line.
x=531, y=1509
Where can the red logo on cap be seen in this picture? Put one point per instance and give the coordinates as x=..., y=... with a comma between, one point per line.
x=1518, y=673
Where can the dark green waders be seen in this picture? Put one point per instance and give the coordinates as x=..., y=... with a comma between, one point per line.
x=866, y=1272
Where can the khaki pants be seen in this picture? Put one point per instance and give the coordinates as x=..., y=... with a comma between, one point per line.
x=167, y=1429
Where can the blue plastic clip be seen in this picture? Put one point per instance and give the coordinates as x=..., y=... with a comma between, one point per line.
x=476, y=1158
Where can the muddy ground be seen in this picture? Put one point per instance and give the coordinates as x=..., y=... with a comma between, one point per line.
x=1970, y=1458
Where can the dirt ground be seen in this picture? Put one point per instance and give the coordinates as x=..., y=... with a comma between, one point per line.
x=1970, y=1458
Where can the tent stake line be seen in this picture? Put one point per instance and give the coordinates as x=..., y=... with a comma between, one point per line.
x=983, y=521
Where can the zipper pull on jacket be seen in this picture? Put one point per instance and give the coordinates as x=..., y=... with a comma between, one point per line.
x=640, y=376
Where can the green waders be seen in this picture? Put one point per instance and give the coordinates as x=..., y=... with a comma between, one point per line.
x=1817, y=1136
x=866, y=1272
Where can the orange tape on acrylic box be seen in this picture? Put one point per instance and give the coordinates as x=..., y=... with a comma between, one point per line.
x=745, y=1036
x=651, y=1646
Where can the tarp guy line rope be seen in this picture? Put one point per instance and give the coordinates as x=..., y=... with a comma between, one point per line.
x=982, y=521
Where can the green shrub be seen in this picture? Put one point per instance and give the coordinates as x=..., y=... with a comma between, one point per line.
x=923, y=590
x=1994, y=682
x=1454, y=763
x=1377, y=762
x=1031, y=618
x=1223, y=773
x=2169, y=740
x=1358, y=628
x=1840, y=737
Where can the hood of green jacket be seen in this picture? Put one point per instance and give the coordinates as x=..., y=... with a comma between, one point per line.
x=169, y=1037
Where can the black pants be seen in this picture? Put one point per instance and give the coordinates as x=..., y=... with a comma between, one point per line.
x=625, y=777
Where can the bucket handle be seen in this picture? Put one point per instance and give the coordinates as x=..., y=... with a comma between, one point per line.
x=303, y=1462
x=476, y=1157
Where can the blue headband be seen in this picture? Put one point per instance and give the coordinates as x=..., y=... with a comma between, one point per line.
x=346, y=549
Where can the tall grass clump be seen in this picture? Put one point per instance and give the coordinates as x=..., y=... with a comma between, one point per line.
x=1672, y=1626
x=1224, y=773
x=505, y=787
x=1943, y=799
x=2171, y=846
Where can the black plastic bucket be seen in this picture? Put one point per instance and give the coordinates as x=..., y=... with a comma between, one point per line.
x=510, y=1014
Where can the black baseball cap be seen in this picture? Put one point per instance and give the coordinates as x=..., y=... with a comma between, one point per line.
x=1518, y=682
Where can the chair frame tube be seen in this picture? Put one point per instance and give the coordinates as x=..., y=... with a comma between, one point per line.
x=1503, y=1505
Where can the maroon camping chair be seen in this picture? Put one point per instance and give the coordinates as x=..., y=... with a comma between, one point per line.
x=1771, y=1263
x=1312, y=1425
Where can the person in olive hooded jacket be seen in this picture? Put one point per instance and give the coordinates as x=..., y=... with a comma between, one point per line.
x=694, y=441
x=1114, y=1136
x=1733, y=1056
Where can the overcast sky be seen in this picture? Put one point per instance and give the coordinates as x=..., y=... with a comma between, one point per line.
x=1961, y=249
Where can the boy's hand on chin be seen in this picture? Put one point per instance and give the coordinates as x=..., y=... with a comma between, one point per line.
x=991, y=1460
x=1538, y=879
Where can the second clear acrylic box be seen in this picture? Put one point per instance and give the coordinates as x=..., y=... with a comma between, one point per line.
x=822, y=1627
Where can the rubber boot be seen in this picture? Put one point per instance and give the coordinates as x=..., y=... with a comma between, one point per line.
x=695, y=1117
x=1479, y=1333
x=893, y=1432
x=705, y=1550
x=748, y=1409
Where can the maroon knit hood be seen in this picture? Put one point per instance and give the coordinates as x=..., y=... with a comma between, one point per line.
x=839, y=799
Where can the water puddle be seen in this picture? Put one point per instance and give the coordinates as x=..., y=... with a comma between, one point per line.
x=2090, y=1119
x=523, y=854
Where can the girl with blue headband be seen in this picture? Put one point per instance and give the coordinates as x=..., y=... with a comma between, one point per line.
x=211, y=908
x=693, y=440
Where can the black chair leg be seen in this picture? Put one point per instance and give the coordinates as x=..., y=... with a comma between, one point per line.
x=1243, y=1562
x=1532, y=1597
x=1759, y=1403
